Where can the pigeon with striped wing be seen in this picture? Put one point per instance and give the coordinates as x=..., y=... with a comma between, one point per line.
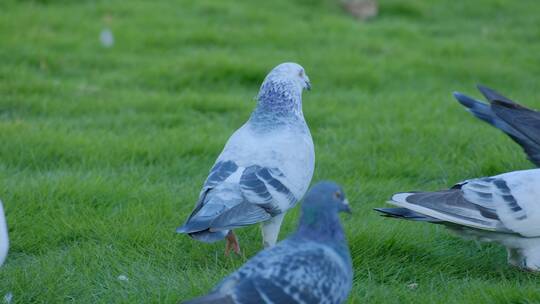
x=264, y=169
x=503, y=208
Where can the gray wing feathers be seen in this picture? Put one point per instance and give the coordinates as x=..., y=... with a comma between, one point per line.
x=225, y=205
x=453, y=204
x=479, y=191
x=219, y=173
x=504, y=195
x=476, y=203
x=260, y=185
x=491, y=193
x=197, y=226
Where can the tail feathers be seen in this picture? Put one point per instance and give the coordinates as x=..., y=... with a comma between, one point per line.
x=477, y=108
x=194, y=225
x=202, y=219
x=494, y=96
x=213, y=221
x=201, y=232
x=214, y=298
x=404, y=213
x=199, y=229
x=241, y=215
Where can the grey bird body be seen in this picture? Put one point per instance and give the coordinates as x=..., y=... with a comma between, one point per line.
x=313, y=265
x=503, y=208
x=264, y=169
x=518, y=122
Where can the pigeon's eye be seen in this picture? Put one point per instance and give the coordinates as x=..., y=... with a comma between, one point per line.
x=337, y=195
x=301, y=73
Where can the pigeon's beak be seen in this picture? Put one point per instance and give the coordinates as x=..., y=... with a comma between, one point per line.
x=345, y=207
x=308, y=85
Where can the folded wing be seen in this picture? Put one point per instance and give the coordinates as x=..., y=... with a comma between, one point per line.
x=235, y=196
x=506, y=203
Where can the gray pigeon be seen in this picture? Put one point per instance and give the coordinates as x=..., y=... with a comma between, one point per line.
x=313, y=265
x=4, y=241
x=264, y=169
x=503, y=208
x=518, y=122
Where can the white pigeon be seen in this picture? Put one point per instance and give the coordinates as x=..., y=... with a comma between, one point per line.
x=264, y=169
x=4, y=241
x=503, y=208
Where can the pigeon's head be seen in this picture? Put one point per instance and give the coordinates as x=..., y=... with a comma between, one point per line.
x=328, y=197
x=281, y=93
x=290, y=77
x=290, y=72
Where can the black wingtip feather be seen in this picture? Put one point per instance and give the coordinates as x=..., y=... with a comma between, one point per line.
x=493, y=96
x=479, y=109
x=404, y=213
x=465, y=100
x=488, y=93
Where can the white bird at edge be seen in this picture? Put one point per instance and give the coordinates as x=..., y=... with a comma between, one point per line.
x=503, y=209
x=264, y=169
x=4, y=241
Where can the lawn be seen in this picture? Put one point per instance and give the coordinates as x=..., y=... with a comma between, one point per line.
x=103, y=150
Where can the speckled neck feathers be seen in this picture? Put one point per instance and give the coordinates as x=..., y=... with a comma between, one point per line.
x=279, y=102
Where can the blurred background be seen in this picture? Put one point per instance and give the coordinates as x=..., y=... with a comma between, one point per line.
x=112, y=113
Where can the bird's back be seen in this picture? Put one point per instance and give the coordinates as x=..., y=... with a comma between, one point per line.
x=293, y=271
x=289, y=148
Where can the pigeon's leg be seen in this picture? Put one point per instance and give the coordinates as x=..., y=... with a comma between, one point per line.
x=514, y=257
x=270, y=230
x=232, y=242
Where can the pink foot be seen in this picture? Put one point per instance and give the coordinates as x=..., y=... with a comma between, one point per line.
x=232, y=242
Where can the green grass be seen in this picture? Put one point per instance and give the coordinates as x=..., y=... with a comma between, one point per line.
x=103, y=151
